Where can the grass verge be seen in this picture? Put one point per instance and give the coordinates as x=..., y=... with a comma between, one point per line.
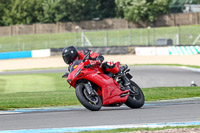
x=164, y=93
x=35, y=90
x=140, y=129
x=41, y=90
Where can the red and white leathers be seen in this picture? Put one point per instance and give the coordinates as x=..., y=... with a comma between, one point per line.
x=111, y=67
x=107, y=66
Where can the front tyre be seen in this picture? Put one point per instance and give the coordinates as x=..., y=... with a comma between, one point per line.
x=92, y=103
x=136, y=99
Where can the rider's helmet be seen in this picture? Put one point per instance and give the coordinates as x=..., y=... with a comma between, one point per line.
x=69, y=54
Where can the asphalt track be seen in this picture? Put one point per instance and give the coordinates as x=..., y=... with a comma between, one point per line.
x=162, y=112
x=185, y=110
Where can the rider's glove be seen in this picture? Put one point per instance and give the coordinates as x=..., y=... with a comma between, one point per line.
x=100, y=59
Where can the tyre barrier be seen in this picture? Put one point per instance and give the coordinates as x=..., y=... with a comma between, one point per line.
x=115, y=50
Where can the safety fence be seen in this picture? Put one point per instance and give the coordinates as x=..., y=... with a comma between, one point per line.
x=183, y=35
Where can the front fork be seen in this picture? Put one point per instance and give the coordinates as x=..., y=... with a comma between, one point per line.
x=90, y=90
x=126, y=83
x=125, y=80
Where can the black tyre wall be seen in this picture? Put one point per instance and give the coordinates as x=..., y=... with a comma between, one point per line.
x=80, y=95
x=134, y=103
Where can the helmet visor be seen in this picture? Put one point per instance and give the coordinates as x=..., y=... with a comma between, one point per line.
x=66, y=59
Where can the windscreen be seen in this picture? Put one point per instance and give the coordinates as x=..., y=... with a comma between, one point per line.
x=75, y=64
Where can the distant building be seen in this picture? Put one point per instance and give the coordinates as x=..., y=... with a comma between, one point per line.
x=191, y=8
x=178, y=6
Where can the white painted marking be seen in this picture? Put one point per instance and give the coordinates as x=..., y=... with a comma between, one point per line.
x=8, y=112
x=191, y=69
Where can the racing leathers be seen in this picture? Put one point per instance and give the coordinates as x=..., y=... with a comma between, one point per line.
x=106, y=66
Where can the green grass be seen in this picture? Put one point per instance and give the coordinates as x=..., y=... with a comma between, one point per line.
x=41, y=90
x=163, y=93
x=37, y=99
x=35, y=90
x=139, y=129
x=122, y=37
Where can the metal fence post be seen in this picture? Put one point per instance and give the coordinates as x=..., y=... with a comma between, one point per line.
x=77, y=28
x=179, y=33
x=130, y=36
x=23, y=46
x=106, y=37
x=18, y=43
x=83, y=37
x=141, y=36
x=148, y=36
x=154, y=36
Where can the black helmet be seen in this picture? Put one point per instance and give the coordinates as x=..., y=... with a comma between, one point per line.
x=69, y=54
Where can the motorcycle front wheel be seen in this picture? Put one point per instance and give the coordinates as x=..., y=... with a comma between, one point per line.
x=136, y=99
x=93, y=103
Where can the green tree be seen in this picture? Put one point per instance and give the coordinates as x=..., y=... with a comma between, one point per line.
x=76, y=10
x=141, y=10
x=107, y=8
x=196, y=2
x=68, y=10
x=50, y=10
x=4, y=4
x=22, y=12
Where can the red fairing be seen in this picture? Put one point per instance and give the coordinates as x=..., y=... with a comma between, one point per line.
x=109, y=89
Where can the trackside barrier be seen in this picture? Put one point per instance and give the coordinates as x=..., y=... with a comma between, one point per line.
x=41, y=53
x=184, y=50
x=14, y=55
x=151, y=51
x=171, y=50
x=25, y=54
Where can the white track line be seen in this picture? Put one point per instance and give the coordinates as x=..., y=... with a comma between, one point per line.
x=103, y=127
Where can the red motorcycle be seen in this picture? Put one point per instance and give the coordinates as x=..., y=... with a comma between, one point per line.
x=95, y=89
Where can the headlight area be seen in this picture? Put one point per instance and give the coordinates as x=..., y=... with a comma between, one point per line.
x=69, y=81
x=77, y=73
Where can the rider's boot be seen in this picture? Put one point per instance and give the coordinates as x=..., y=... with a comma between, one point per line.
x=124, y=78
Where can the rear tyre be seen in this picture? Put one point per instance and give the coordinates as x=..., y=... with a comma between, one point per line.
x=92, y=103
x=135, y=100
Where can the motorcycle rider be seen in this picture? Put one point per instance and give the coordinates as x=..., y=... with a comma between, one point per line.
x=70, y=54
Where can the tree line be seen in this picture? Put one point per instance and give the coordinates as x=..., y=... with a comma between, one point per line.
x=14, y=12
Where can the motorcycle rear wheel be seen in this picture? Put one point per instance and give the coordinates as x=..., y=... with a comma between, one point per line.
x=93, y=103
x=135, y=100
